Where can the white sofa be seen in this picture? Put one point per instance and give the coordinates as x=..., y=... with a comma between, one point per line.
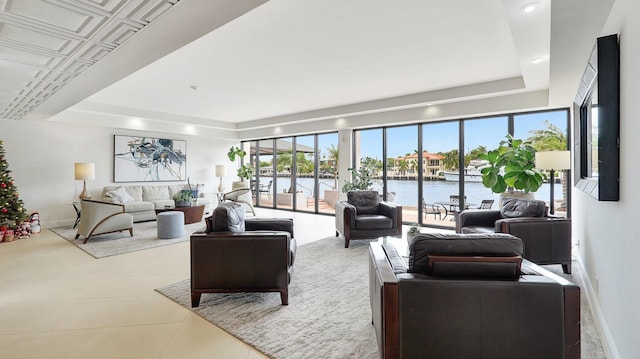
x=142, y=200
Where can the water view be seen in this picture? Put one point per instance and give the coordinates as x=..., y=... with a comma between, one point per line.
x=406, y=191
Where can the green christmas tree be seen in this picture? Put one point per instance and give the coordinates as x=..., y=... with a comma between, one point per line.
x=11, y=206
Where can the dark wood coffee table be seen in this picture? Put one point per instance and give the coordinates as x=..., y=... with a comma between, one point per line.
x=192, y=214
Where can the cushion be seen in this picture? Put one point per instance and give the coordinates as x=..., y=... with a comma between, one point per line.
x=120, y=195
x=154, y=193
x=228, y=217
x=517, y=207
x=366, y=202
x=425, y=246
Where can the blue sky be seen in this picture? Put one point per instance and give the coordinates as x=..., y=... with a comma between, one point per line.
x=443, y=136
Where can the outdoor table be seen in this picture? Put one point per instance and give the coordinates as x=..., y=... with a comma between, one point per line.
x=453, y=207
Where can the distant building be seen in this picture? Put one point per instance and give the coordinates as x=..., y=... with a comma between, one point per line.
x=407, y=166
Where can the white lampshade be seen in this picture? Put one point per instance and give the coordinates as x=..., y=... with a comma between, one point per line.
x=221, y=170
x=553, y=160
x=85, y=171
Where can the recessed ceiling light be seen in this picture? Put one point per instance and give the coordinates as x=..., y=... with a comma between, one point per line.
x=194, y=87
x=529, y=7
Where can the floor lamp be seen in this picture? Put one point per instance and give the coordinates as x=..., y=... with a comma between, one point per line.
x=84, y=171
x=553, y=161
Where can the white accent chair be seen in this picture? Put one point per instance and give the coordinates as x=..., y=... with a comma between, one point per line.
x=100, y=218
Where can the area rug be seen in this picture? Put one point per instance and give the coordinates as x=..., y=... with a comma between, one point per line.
x=328, y=315
x=144, y=237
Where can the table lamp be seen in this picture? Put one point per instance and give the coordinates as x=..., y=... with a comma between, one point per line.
x=553, y=161
x=221, y=170
x=84, y=171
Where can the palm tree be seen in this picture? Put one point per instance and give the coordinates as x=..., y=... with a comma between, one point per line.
x=550, y=138
x=450, y=160
x=333, y=159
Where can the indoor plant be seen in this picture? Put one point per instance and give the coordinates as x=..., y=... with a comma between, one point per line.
x=361, y=179
x=512, y=167
x=244, y=171
x=183, y=199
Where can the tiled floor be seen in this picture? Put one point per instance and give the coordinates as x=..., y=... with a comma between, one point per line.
x=56, y=301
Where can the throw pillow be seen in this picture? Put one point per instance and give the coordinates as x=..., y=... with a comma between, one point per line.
x=120, y=195
x=517, y=207
x=228, y=217
x=365, y=201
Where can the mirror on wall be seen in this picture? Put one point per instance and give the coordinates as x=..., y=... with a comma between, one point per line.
x=596, y=118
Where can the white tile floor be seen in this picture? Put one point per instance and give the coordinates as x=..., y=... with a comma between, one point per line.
x=56, y=301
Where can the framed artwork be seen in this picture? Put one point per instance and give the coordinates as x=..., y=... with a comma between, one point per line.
x=149, y=159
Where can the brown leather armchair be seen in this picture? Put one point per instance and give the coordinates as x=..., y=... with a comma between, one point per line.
x=547, y=240
x=470, y=296
x=364, y=216
x=235, y=255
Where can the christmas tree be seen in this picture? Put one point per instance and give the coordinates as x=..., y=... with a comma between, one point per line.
x=11, y=206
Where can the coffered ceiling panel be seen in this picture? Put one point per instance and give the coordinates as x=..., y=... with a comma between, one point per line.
x=47, y=43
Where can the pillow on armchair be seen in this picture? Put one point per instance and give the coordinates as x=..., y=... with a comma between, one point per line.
x=366, y=202
x=227, y=217
x=518, y=207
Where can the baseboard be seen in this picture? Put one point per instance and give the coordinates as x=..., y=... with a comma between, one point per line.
x=608, y=343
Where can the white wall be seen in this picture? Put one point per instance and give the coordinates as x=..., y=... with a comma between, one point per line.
x=41, y=157
x=608, y=233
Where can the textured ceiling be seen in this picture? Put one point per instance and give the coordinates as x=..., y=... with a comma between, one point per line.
x=260, y=65
x=45, y=44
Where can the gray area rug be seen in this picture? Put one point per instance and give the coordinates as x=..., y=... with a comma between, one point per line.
x=144, y=237
x=328, y=315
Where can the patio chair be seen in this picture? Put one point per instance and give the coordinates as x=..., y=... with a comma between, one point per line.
x=431, y=208
x=485, y=204
x=265, y=188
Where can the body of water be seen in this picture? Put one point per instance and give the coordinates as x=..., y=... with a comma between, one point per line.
x=433, y=191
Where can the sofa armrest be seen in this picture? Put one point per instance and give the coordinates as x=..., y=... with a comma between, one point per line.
x=480, y=217
x=503, y=225
x=392, y=211
x=269, y=224
x=383, y=297
x=345, y=215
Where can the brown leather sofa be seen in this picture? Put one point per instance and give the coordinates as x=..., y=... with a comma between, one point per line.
x=547, y=240
x=470, y=296
x=238, y=255
x=364, y=216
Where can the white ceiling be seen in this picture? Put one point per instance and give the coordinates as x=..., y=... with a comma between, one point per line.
x=289, y=61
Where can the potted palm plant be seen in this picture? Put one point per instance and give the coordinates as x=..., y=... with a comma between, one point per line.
x=244, y=171
x=511, y=170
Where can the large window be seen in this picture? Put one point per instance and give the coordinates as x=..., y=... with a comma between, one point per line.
x=295, y=173
x=481, y=135
x=402, y=170
x=440, y=169
x=431, y=169
x=437, y=174
x=548, y=131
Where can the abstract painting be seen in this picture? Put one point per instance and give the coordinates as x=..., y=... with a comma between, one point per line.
x=149, y=159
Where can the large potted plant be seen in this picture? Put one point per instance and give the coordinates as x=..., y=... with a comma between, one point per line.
x=244, y=171
x=512, y=170
x=361, y=179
